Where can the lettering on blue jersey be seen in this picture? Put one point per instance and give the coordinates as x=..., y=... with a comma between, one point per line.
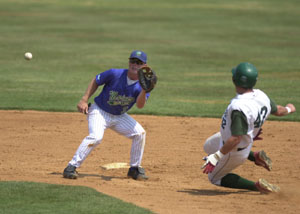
x=116, y=99
x=125, y=109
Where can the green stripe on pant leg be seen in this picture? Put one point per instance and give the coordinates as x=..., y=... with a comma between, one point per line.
x=237, y=182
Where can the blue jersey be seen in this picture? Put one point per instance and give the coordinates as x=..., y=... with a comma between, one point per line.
x=116, y=97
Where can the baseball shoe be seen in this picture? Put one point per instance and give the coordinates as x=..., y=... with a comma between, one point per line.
x=261, y=159
x=265, y=187
x=70, y=172
x=137, y=173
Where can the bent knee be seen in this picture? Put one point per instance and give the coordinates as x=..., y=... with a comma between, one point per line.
x=140, y=135
x=210, y=148
x=207, y=148
x=94, y=138
x=212, y=144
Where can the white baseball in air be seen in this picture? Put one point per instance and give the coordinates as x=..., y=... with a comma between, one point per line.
x=28, y=55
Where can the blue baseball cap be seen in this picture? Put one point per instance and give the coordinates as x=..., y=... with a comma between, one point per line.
x=139, y=55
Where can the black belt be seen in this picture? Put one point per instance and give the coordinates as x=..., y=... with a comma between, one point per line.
x=239, y=149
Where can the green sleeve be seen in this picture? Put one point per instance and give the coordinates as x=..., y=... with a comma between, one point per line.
x=239, y=124
x=273, y=106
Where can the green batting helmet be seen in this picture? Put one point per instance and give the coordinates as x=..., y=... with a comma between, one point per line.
x=244, y=75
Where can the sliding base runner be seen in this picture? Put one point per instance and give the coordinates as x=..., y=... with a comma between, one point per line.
x=241, y=125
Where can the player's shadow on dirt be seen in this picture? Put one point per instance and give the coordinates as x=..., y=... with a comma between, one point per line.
x=208, y=192
x=82, y=175
x=103, y=177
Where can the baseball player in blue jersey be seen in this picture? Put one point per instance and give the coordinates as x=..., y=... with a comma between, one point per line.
x=120, y=92
x=241, y=124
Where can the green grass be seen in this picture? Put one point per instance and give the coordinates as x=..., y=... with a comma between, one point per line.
x=29, y=198
x=192, y=45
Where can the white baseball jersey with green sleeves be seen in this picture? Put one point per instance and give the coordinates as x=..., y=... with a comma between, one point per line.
x=256, y=106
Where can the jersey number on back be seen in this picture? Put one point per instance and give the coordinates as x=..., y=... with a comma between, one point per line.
x=261, y=117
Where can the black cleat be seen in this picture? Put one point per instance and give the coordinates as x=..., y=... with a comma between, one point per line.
x=137, y=173
x=70, y=172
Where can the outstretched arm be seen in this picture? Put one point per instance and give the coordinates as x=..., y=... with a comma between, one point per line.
x=82, y=106
x=284, y=110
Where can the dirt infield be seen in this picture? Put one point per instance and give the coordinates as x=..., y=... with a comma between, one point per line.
x=36, y=146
